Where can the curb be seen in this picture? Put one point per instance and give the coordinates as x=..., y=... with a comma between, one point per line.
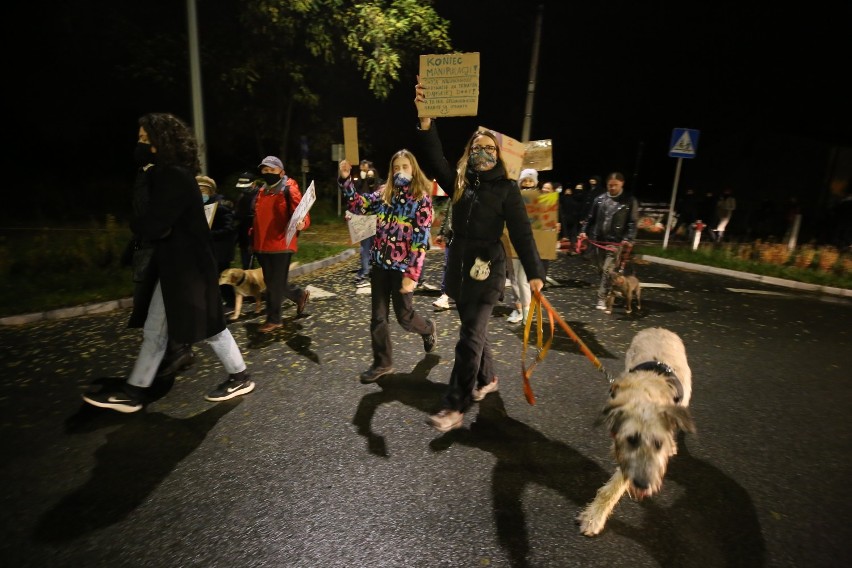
x=104, y=307
x=829, y=290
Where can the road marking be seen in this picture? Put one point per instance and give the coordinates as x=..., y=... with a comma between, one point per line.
x=320, y=293
x=762, y=292
x=654, y=285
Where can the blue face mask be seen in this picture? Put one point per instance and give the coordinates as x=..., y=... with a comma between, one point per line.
x=205, y=198
x=401, y=179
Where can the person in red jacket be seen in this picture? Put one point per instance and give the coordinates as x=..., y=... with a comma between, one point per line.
x=273, y=209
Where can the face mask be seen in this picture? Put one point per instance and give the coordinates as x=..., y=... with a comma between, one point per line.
x=481, y=161
x=271, y=179
x=142, y=155
x=401, y=179
x=205, y=198
x=363, y=174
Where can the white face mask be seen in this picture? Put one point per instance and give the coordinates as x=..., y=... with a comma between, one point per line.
x=363, y=174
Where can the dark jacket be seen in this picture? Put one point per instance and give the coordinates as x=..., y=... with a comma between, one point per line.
x=612, y=219
x=490, y=202
x=224, y=232
x=183, y=261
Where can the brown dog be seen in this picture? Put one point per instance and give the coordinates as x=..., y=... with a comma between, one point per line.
x=626, y=286
x=246, y=283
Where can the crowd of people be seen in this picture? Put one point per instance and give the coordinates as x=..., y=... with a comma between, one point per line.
x=185, y=234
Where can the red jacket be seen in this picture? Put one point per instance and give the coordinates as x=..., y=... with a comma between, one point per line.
x=272, y=212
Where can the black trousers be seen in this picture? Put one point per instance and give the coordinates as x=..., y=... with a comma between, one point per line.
x=385, y=288
x=276, y=272
x=473, y=366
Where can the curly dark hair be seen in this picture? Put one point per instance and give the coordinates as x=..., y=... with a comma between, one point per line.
x=174, y=140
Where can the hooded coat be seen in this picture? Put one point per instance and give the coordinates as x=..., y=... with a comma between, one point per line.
x=490, y=202
x=183, y=260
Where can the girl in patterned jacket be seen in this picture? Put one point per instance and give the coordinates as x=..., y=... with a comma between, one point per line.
x=403, y=209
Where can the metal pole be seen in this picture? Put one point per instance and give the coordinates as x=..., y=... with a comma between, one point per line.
x=670, y=216
x=195, y=81
x=525, y=135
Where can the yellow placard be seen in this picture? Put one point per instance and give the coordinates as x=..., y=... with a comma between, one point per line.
x=451, y=83
x=350, y=139
x=543, y=211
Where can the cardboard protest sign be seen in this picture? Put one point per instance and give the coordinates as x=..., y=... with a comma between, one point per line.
x=543, y=211
x=512, y=152
x=301, y=212
x=361, y=227
x=538, y=155
x=451, y=84
x=210, y=212
x=350, y=139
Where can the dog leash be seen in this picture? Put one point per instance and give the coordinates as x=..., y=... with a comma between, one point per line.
x=538, y=304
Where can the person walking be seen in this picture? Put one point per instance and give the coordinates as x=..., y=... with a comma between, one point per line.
x=444, y=238
x=276, y=201
x=528, y=181
x=403, y=209
x=366, y=182
x=725, y=207
x=484, y=201
x=223, y=229
x=611, y=226
x=178, y=293
x=248, y=186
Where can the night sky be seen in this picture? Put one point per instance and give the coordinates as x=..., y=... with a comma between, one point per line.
x=765, y=86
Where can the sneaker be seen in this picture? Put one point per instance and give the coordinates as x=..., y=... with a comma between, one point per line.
x=362, y=283
x=430, y=339
x=442, y=303
x=236, y=385
x=124, y=400
x=601, y=305
x=514, y=317
x=373, y=373
x=300, y=307
x=479, y=394
x=176, y=362
x=446, y=420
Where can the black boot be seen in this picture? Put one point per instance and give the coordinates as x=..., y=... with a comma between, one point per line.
x=178, y=357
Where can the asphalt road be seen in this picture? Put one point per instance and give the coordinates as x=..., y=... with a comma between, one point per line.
x=314, y=469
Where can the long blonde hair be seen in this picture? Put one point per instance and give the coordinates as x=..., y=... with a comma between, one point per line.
x=421, y=185
x=461, y=167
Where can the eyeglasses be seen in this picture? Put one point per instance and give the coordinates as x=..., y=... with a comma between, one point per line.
x=489, y=149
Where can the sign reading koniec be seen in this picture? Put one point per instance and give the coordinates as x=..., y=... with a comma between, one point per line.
x=451, y=83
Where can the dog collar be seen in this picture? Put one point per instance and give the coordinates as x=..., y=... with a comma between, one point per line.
x=243, y=279
x=662, y=369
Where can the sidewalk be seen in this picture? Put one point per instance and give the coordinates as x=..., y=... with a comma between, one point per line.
x=103, y=307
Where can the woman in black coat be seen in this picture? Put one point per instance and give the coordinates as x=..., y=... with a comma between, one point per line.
x=484, y=200
x=177, y=295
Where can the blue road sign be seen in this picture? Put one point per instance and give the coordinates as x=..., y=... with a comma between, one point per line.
x=684, y=143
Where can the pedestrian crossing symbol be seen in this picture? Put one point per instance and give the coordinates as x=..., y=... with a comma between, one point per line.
x=684, y=143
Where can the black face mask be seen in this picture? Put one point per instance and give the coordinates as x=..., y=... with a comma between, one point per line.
x=271, y=179
x=142, y=154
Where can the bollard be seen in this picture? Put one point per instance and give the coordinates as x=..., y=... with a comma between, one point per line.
x=697, y=227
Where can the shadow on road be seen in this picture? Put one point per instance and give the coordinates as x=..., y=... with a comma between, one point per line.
x=135, y=459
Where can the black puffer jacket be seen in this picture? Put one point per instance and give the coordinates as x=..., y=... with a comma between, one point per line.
x=490, y=202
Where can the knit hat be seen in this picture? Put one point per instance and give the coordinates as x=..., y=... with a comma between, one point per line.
x=204, y=181
x=529, y=173
x=272, y=162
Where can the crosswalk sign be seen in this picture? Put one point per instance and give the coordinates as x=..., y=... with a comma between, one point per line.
x=684, y=143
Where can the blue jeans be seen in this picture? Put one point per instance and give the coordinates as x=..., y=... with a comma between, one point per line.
x=155, y=337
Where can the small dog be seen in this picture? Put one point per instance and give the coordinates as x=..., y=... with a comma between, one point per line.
x=628, y=287
x=246, y=283
x=648, y=404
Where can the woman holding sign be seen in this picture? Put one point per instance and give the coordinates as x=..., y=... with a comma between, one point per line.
x=403, y=209
x=484, y=200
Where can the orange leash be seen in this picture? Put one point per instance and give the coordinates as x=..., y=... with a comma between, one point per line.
x=539, y=303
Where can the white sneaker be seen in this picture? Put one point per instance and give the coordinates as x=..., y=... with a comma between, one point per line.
x=514, y=317
x=479, y=394
x=601, y=305
x=442, y=303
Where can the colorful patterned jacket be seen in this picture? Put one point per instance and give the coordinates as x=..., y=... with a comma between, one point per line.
x=402, y=227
